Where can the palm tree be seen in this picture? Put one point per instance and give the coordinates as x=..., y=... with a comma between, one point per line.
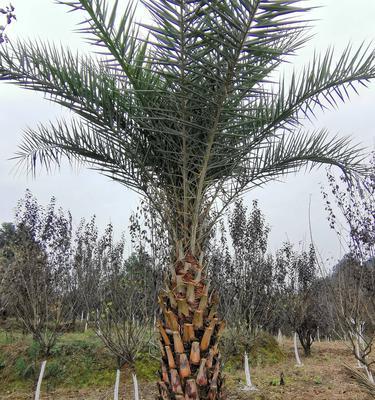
x=187, y=112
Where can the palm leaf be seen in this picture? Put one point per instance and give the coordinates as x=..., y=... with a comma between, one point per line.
x=361, y=379
x=186, y=109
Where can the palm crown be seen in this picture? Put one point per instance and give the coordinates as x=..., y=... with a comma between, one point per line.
x=185, y=110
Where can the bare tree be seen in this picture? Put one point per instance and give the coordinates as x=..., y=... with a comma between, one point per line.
x=87, y=273
x=7, y=239
x=246, y=275
x=301, y=304
x=354, y=283
x=37, y=279
x=123, y=318
x=353, y=293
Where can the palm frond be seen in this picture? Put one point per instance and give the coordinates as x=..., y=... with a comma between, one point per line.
x=361, y=379
x=108, y=151
x=325, y=82
x=118, y=39
x=185, y=109
x=291, y=153
x=78, y=83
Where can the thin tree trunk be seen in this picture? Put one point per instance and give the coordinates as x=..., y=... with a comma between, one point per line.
x=279, y=337
x=40, y=379
x=369, y=374
x=361, y=345
x=357, y=350
x=117, y=385
x=249, y=386
x=135, y=385
x=87, y=321
x=298, y=360
x=189, y=335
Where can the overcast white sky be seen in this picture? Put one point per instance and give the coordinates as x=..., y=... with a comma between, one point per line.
x=85, y=193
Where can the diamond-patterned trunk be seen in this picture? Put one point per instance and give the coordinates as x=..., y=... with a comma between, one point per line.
x=189, y=335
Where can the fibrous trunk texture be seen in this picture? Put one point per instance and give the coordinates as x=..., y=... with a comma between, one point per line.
x=189, y=335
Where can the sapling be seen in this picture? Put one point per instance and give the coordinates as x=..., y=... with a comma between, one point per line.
x=122, y=319
x=301, y=306
x=37, y=279
x=354, y=283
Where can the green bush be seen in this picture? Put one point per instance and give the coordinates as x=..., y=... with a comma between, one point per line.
x=265, y=350
x=34, y=350
x=147, y=368
x=7, y=337
x=23, y=368
x=262, y=349
x=73, y=348
x=54, y=370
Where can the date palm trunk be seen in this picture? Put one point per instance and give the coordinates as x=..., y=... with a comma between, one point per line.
x=189, y=331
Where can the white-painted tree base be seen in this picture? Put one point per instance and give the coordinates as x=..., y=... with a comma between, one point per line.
x=370, y=377
x=360, y=365
x=117, y=385
x=249, y=387
x=279, y=337
x=136, y=389
x=357, y=352
x=40, y=379
x=298, y=360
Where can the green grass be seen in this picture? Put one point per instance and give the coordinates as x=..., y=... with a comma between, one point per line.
x=264, y=350
x=80, y=361
x=9, y=337
x=147, y=368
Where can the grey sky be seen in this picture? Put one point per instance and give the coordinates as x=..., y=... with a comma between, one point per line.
x=85, y=193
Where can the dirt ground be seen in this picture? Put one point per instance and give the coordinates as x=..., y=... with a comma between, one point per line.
x=322, y=377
